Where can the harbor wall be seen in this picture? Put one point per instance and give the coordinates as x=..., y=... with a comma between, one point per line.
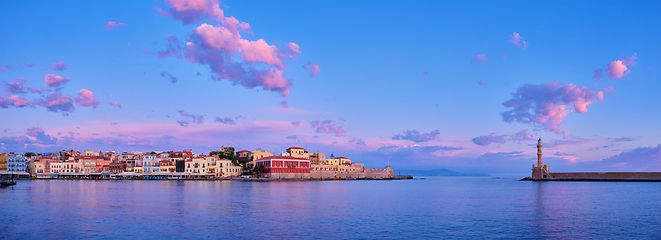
x=607, y=176
x=354, y=171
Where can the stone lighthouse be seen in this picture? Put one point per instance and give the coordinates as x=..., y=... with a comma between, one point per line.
x=540, y=171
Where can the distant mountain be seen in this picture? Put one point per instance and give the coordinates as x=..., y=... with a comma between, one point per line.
x=439, y=172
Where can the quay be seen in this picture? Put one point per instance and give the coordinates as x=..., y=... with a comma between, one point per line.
x=185, y=176
x=540, y=172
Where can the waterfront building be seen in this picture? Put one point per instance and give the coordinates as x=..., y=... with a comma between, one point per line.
x=244, y=157
x=196, y=165
x=55, y=167
x=117, y=167
x=101, y=162
x=3, y=161
x=47, y=161
x=70, y=166
x=298, y=152
x=16, y=163
x=258, y=154
x=36, y=169
x=337, y=161
x=166, y=166
x=88, y=163
x=225, y=168
x=150, y=163
x=284, y=167
x=317, y=158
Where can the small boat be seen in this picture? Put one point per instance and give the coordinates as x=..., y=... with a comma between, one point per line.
x=7, y=184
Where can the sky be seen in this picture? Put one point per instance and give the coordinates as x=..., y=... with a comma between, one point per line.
x=462, y=85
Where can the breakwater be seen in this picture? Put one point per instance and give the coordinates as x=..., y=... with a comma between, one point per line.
x=600, y=176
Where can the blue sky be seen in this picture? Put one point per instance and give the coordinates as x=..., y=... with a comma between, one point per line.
x=443, y=69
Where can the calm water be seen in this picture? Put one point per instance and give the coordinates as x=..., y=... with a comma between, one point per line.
x=441, y=207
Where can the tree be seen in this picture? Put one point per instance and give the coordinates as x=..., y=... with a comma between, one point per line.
x=332, y=156
x=29, y=154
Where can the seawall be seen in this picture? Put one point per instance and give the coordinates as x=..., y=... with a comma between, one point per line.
x=602, y=176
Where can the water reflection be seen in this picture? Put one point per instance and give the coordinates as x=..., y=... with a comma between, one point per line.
x=432, y=208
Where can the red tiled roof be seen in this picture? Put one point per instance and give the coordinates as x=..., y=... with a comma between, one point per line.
x=224, y=159
x=243, y=151
x=282, y=157
x=296, y=148
x=189, y=160
x=341, y=158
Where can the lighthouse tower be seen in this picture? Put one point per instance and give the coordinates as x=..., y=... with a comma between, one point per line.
x=540, y=171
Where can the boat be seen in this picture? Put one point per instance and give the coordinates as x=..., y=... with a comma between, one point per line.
x=10, y=183
x=7, y=184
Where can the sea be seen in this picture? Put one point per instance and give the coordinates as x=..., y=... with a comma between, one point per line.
x=420, y=208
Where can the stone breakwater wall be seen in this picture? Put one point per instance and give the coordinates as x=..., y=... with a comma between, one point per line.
x=352, y=171
x=606, y=176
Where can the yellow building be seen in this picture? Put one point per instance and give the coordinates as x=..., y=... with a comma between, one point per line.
x=337, y=161
x=258, y=154
x=298, y=152
x=3, y=162
x=225, y=168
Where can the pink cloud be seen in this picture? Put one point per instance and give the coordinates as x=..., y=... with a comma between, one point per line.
x=16, y=87
x=216, y=46
x=293, y=47
x=479, y=58
x=546, y=105
x=618, y=69
x=284, y=104
x=481, y=83
x=192, y=11
x=290, y=51
x=2, y=69
x=19, y=101
x=34, y=90
x=56, y=102
x=41, y=136
x=53, y=80
x=112, y=25
x=86, y=98
x=314, y=69
x=30, y=64
x=327, y=126
x=517, y=40
x=116, y=104
x=9, y=66
x=61, y=66
x=13, y=100
x=259, y=64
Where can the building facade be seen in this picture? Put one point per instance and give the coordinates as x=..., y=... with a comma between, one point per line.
x=284, y=167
